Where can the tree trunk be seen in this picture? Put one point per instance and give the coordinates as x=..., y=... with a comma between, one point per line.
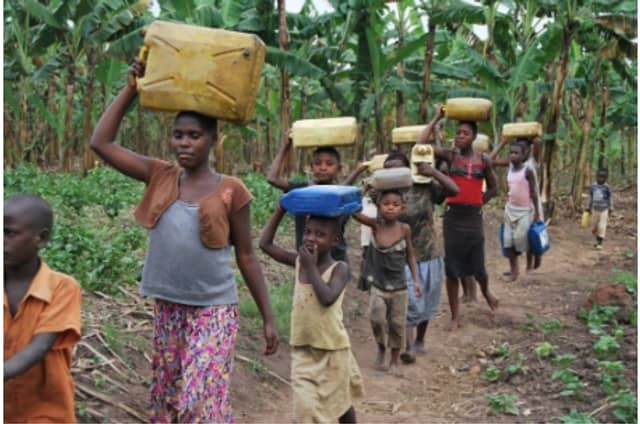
x=267, y=127
x=603, y=118
x=23, y=132
x=9, y=134
x=631, y=141
x=88, y=157
x=582, y=152
x=51, y=134
x=550, y=145
x=68, y=143
x=400, y=72
x=285, y=93
x=623, y=170
x=426, y=82
x=380, y=139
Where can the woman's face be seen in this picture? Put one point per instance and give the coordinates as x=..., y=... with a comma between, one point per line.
x=464, y=136
x=190, y=142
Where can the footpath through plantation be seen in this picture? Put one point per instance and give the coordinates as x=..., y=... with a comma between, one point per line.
x=540, y=358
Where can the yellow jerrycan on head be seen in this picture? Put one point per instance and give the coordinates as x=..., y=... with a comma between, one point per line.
x=210, y=71
x=468, y=109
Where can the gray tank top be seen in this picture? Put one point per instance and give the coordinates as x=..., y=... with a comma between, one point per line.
x=179, y=268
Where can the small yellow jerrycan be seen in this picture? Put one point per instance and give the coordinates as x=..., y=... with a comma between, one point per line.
x=376, y=162
x=210, y=71
x=586, y=218
x=421, y=153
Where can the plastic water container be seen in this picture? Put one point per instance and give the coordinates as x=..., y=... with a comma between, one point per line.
x=481, y=143
x=376, y=162
x=408, y=134
x=505, y=253
x=324, y=132
x=586, y=219
x=210, y=71
x=391, y=179
x=538, y=238
x=522, y=129
x=322, y=200
x=421, y=153
x=468, y=109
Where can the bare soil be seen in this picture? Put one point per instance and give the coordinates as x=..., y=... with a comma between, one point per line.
x=111, y=364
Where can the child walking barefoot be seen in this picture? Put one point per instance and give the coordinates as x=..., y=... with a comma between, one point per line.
x=195, y=217
x=390, y=250
x=324, y=373
x=419, y=213
x=462, y=223
x=522, y=206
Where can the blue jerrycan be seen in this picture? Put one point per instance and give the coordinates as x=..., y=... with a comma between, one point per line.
x=538, y=238
x=322, y=200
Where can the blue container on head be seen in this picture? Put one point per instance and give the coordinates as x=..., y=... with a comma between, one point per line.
x=323, y=200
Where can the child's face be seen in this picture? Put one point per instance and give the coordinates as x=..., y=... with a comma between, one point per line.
x=324, y=167
x=390, y=206
x=319, y=235
x=21, y=239
x=190, y=143
x=516, y=154
x=601, y=177
x=464, y=136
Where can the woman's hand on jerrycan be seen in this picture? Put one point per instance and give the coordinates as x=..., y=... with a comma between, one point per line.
x=136, y=71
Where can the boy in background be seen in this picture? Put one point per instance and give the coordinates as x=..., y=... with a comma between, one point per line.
x=41, y=319
x=325, y=167
x=600, y=203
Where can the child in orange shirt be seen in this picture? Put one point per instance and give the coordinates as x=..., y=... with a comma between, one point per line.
x=41, y=319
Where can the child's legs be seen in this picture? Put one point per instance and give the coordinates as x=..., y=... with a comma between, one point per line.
x=601, y=223
x=452, y=294
x=378, y=315
x=513, y=262
x=397, y=318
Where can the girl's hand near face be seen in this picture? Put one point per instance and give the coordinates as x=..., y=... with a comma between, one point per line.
x=425, y=168
x=308, y=256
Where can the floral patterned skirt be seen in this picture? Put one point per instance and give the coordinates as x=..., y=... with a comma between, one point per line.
x=193, y=349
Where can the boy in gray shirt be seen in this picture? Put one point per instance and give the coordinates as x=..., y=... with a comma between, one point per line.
x=600, y=204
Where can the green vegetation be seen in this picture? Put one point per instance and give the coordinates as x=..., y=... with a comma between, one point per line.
x=545, y=349
x=94, y=238
x=491, y=374
x=280, y=297
x=503, y=403
x=575, y=417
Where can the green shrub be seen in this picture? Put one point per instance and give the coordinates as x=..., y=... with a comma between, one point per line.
x=503, y=404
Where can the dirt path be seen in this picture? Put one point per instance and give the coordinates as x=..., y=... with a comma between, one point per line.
x=111, y=365
x=444, y=384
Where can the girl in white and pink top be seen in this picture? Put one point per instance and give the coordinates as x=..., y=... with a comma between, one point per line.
x=522, y=207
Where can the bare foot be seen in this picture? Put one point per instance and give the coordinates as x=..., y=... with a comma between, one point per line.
x=453, y=325
x=379, y=362
x=394, y=370
x=491, y=301
x=514, y=277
